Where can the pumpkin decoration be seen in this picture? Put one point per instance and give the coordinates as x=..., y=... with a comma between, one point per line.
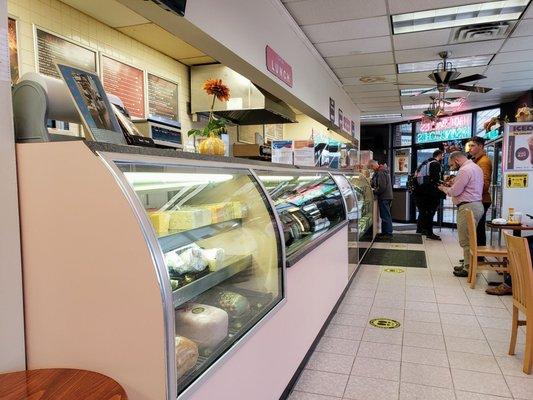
x=524, y=114
x=212, y=144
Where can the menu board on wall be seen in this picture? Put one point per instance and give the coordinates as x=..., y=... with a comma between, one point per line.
x=126, y=82
x=52, y=49
x=162, y=98
x=13, y=49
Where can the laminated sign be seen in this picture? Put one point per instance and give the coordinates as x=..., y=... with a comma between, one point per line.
x=520, y=147
x=516, y=181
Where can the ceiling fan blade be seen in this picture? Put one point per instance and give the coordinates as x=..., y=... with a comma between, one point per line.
x=435, y=77
x=465, y=79
x=411, y=84
x=475, y=89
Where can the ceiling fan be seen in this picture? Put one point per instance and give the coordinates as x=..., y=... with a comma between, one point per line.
x=446, y=77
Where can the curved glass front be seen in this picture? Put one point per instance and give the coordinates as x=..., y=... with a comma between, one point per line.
x=222, y=249
x=308, y=204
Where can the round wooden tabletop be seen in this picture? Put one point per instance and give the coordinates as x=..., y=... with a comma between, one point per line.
x=513, y=227
x=59, y=384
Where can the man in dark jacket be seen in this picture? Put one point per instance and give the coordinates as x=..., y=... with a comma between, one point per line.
x=427, y=194
x=382, y=187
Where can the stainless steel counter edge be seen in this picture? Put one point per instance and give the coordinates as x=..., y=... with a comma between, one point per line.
x=297, y=256
x=154, y=151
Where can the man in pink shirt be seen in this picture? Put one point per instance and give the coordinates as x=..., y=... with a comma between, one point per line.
x=466, y=193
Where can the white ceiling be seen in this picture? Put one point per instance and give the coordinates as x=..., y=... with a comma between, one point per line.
x=355, y=38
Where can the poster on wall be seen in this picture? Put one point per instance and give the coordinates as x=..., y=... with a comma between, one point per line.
x=332, y=110
x=519, y=146
x=52, y=50
x=13, y=50
x=401, y=161
x=162, y=98
x=282, y=151
x=304, y=153
x=341, y=119
x=93, y=105
x=455, y=127
x=126, y=82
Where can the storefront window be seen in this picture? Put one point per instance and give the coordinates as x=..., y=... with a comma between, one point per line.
x=402, y=135
x=484, y=116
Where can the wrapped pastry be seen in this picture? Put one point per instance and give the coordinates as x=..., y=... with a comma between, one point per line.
x=205, y=325
x=186, y=355
x=193, y=259
x=175, y=264
x=215, y=258
x=236, y=305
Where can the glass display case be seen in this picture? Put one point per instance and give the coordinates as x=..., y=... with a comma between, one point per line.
x=365, y=207
x=221, y=246
x=308, y=204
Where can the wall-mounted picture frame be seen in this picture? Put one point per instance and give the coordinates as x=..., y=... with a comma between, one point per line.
x=12, y=39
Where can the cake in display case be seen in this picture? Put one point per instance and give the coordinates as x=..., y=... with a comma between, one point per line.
x=222, y=250
x=308, y=204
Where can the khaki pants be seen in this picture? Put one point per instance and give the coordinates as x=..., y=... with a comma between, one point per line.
x=462, y=228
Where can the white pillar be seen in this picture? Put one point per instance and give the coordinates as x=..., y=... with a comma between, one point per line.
x=12, y=355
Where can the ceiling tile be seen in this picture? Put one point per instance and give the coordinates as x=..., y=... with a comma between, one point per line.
x=345, y=30
x=375, y=70
x=525, y=28
x=368, y=80
x=499, y=68
x=405, y=6
x=421, y=39
x=518, y=43
x=374, y=95
x=457, y=50
x=320, y=11
x=370, y=101
x=370, y=88
x=382, y=107
x=529, y=12
x=361, y=60
x=355, y=46
x=513, y=57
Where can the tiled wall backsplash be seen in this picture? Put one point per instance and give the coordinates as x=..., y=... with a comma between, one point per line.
x=63, y=20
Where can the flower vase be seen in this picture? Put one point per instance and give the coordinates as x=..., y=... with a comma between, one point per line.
x=213, y=145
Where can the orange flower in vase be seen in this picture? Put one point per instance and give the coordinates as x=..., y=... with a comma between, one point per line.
x=215, y=127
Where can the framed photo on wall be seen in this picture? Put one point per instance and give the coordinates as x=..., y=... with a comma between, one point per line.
x=12, y=39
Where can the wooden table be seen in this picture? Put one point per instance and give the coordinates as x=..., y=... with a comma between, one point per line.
x=517, y=229
x=59, y=384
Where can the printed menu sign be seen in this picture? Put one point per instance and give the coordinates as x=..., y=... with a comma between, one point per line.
x=162, y=98
x=52, y=49
x=13, y=49
x=401, y=161
x=282, y=151
x=304, y=153
x=126, y=82
x=519, y=146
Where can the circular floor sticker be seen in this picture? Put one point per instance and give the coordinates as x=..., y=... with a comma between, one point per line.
x=384, y=323
x=394, y=270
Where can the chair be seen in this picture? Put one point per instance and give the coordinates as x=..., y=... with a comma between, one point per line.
x=482, y=251
x=522, y=275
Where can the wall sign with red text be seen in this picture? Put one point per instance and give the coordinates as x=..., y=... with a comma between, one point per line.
x=278, y=66
x=455, y=127
x=126, y=82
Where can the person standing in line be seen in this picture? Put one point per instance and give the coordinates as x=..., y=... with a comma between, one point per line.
x=476, y=148
x=382, y=187
x=427, y=194
x=466, y=193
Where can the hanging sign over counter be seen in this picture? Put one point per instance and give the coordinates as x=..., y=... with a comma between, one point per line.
x=278, y=66
x=454, y=127
x=519, y=146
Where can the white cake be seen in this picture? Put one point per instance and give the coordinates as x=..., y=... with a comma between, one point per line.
x=205, y=325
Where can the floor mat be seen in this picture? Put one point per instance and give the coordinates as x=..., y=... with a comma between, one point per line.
x=397, y=258
x=404, y=227
x=410, y=238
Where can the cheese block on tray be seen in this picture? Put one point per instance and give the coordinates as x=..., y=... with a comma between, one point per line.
x=186, y=355
x=235, y=304
x=205, y=325
x=160, y=221
x=215, y=258
x=189, y=218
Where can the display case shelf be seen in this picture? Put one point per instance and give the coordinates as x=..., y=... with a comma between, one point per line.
x=234, y=265
x=182, y=238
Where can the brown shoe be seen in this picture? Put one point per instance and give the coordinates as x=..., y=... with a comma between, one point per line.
x=500, y=290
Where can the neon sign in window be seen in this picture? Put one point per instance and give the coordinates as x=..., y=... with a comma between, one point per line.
x=455, y=127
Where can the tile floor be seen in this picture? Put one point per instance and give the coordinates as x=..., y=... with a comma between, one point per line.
x=452, y=343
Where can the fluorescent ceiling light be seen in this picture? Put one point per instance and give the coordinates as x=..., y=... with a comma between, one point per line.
x=413, y=92
x=380, y=116
x=424, y=106
x=451, y=17
x=465, y=62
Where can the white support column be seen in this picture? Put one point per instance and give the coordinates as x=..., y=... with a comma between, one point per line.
x=12, y=353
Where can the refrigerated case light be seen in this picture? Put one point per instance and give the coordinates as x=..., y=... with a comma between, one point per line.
x=275, y=178
x=166, y=180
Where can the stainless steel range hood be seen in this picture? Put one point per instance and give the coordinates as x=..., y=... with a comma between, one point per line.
x=248, y=105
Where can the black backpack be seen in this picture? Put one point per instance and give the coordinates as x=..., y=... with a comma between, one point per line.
x=416, y=180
